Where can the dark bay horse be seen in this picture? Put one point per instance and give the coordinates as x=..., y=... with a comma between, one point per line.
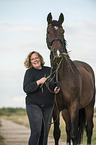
x=77, y=83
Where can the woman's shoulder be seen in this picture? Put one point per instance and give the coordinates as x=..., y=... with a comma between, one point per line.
x=29, y=70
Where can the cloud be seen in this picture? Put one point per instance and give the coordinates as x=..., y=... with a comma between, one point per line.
x=19, y=99
x=28, y=29
x=5, y=22
x=81, y=35
x=81, y=28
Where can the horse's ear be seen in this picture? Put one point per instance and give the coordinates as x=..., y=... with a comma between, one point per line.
x=61, y=18
x=49, y=18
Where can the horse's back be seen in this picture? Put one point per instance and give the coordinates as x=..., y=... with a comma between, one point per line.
x=88, y=82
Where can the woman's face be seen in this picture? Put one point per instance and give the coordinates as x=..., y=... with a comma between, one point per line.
x=35, y=61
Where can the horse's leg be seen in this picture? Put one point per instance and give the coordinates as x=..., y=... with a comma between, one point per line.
x=57, y=132
x=74, y=114
x=89, y=110
x=66, y=117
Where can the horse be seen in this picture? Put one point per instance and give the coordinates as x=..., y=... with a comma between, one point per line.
x=76, y=79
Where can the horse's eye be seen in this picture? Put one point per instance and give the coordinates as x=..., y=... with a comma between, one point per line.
x=48, y=32
x=63, y=31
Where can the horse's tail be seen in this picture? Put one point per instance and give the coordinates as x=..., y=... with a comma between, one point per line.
x=81, y=124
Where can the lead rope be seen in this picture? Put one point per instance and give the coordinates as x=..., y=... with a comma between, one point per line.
x=55, y=102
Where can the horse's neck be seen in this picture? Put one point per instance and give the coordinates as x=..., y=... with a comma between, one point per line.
x=67, y=65
x=64, y=47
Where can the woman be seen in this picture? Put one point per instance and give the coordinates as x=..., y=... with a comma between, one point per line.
x=39, y=100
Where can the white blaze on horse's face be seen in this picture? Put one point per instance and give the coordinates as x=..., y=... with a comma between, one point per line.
x=58, y=53
x=55, y=27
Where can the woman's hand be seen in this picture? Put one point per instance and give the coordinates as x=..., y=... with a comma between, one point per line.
x=41, y=81
x=56, y=90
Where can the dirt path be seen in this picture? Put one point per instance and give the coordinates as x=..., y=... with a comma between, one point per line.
x=15, y=134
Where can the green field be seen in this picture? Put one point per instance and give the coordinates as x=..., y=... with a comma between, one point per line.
x=18, y=115
x=1, y=138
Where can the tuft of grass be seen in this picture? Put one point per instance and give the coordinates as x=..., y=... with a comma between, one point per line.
x=1, y=138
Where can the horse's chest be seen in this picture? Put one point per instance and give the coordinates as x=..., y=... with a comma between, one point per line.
x=70, y=91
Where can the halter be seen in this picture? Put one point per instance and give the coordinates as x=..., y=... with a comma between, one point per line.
x=56, y=39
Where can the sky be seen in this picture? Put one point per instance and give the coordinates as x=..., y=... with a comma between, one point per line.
x=23, y=26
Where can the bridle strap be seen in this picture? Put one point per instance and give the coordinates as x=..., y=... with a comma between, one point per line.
x=56, y=39
x=58, y=69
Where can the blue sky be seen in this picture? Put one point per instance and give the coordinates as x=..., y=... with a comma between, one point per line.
x=23, y=29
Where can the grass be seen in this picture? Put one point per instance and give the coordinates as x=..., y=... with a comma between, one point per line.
x=12, y=111
x=18, y=115
x=1, y=138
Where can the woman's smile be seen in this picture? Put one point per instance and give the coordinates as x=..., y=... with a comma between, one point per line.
x=35, y=60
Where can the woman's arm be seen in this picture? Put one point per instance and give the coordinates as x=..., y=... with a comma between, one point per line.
x=29, y=85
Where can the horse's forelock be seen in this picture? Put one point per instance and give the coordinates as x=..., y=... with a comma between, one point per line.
x=55, y=23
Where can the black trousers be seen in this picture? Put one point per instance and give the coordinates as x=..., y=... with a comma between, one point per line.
x=40, y=122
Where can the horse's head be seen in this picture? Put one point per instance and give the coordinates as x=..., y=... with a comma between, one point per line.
x=55, y=36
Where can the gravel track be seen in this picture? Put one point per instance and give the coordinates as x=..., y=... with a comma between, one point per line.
x=15, y=134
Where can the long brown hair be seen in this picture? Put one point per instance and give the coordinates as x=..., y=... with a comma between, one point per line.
x=27, y=61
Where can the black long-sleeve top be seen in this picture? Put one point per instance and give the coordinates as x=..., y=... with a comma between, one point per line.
x=35, y=94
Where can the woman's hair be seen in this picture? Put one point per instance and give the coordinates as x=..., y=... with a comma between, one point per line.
x=27, y=61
